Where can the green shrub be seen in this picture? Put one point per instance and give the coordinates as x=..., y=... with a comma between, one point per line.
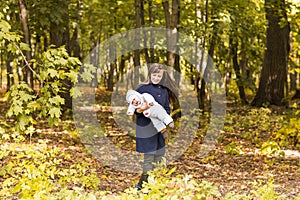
x=30, y=171
x=269, y=148
x=162, y=186
x=233, y=149
x=289, y=133
x=56, y=68
x=266, y=191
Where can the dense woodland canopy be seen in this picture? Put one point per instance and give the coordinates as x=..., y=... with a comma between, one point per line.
x=49, y=46
x=248, y=40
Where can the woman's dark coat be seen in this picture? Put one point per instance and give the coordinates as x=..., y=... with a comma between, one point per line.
x=148, y=140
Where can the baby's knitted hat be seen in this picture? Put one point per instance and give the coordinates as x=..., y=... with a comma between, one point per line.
x=131, y=94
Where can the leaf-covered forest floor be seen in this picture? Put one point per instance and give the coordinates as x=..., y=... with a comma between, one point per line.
x=235, y=164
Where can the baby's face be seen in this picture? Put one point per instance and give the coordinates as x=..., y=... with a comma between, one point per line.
x=136, y=101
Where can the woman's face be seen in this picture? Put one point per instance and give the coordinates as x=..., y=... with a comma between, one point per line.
x=156, y=77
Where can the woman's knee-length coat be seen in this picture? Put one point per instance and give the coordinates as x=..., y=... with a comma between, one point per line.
x=148, y=140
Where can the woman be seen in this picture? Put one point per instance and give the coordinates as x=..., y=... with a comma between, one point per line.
x=148, y=141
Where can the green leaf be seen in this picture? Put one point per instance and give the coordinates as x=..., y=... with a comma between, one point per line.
x=86, y=76
x=26, y=97
x=54, y=112
x=4, y=26
x=23, y=122
x=57, y=100
x=34, y=105
x=52, y=72
x=72, y=76
x=24, y=46
x=75, y=92
x=15, y=110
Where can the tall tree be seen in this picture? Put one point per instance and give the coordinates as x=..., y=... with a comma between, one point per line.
x=27, y=73
x=237, y=69
x=60, y=36
x=142, y=11
x=172, y=16
x=172, y=21
x=9, y=71
x=59, y=25
x=151, y=23
x=273, y=81
x=138, y=24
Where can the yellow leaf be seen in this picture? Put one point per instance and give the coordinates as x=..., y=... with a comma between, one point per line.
x=104, y=177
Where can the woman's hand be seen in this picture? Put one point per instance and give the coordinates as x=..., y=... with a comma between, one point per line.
x=142, y=108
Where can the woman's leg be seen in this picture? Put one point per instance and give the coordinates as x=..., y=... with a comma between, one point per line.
x=158, y=158
x=149, y=159
x=147, y=166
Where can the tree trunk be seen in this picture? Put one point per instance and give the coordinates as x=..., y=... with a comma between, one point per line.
x=60, y=35
x=9, y=73
x=199, y=81
x=151, y=22
x=172, y=20
x=201, y=93
x=1, y=68
x=74, y=44
x=122, y=68
x=293, y=81
x=145, y=50
x=112, y=66
x=94, y=60
x=60, y=32
x=293, y=76
x=246, y=72
x=273, y=80
x=27, y=73
x=137, y=40
x=237, y=70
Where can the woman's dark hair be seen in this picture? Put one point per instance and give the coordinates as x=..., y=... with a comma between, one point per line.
x=166, y=80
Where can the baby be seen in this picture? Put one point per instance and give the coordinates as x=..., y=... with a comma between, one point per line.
x=153, y=110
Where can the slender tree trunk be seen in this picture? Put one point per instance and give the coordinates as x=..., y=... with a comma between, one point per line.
x=175, y=22
x=145, y=50
x=273, y=80
x=28, y=73
x=74, y=44
x=1, y=68
x=200, y=84
x=246, y=73
x=151, y=22
x=237, y=70
x=46, y=42
x=9, y=73
x=137, y=40
x=293, y=77
x=293, y=81
x=112, y=66
x=195, y=79
x=201, y=93
x=94, y=60
x=122, y=68
x=172, y=20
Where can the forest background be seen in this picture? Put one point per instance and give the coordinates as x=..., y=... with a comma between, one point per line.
x=49, y=46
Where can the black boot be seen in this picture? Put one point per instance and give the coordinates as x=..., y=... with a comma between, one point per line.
x=143, y=178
